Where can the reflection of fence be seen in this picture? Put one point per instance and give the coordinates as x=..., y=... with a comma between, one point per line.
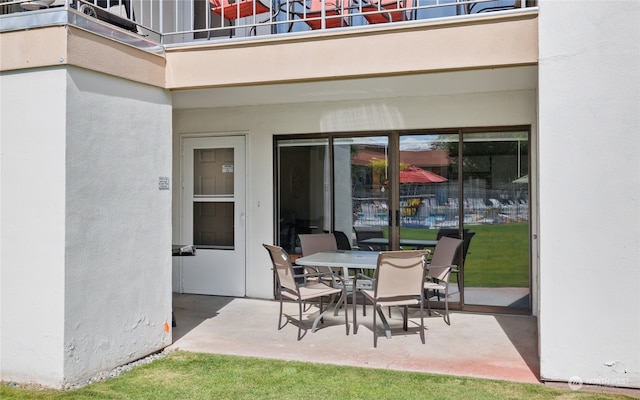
x=428, y=212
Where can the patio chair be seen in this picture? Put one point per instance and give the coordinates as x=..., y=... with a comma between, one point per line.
x=312, y=243
x=317, y=242
x=467, y=236
x=310, y=11
x=439, y=271
x=288, y=287
x=399, y=280
x=342, y=241
x=378, y=12
x=232, y=10
x=369, y=232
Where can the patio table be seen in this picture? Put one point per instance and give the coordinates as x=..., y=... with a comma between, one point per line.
x=346, y=259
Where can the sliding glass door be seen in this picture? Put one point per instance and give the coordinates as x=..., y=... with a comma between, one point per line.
x=495, y=199
x=391, y=191
x=303, y=190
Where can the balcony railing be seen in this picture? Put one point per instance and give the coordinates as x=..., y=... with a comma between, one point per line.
x=170, y=22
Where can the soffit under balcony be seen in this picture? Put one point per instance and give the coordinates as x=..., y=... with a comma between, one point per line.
x=415, y=85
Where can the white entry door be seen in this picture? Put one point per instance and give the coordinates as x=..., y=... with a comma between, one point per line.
x=213, y=215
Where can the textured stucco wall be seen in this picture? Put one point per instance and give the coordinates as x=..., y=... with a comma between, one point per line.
x=118, y=236
x=589, y=144
x=32, y=213
x=86, y=267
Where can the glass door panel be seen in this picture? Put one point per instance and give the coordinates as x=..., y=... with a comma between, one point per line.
x=496, y=219
x=304, y=184
x=428, y=182
x=213, y=205
x=361, y=178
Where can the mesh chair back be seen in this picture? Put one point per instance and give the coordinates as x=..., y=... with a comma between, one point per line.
x=342, y=241
x=454, y=233
x=400, y=273
x=282, y=266
x=446, y=252
x=315, y=243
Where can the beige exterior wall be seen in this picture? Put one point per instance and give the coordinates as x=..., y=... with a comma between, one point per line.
x=410, y=49
x=67, y=45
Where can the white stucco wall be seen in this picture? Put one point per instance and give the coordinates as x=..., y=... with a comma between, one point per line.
x=118, y=222
x=589, y=181
x=86, y=232
x=32, y=221
x=260, y=123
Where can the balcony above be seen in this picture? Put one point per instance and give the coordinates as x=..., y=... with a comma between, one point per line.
x=148, y=24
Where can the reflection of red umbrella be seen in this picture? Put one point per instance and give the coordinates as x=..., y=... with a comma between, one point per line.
x=418, y=175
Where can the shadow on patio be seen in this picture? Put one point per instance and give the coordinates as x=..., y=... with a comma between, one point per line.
x=478, y=345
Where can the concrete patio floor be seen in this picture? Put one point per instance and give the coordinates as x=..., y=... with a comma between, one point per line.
x=476, y=345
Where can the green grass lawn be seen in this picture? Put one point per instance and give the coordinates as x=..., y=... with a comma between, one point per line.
x=184, y=376
x=498, y=254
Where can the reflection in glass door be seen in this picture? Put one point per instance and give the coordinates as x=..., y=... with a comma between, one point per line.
x=304, y=197
x=361, y=190
x=495, y=199
x=406, y=190
x=429, y=195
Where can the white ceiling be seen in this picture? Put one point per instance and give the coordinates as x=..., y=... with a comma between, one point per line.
x=432, y=84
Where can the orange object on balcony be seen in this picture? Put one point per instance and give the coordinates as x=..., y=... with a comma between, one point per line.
x=384, y=12
x=239, y=9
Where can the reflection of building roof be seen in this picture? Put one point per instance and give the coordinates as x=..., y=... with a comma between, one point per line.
x=427, y=158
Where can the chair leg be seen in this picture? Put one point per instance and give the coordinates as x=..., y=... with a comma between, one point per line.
x=422, y=321
x=364, y=306
x=405, y=319
x=280, y=326
x=299, y=320
x=427, y=301
x=355, y=311
x=446, y=307
x=346, y=318
x=375, y=330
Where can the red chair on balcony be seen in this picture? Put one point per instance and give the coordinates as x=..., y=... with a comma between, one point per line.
x=310, y=11
x=231, y=10
x=383, y=12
